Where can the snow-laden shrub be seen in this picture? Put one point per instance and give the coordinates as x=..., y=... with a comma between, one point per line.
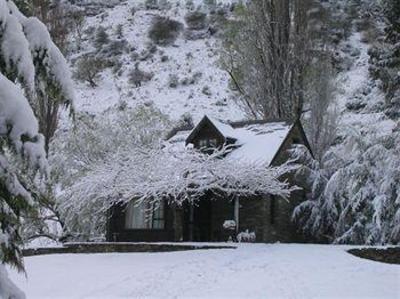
x=164, y=31
x=206, y=90
x=164, y=58
x=137, y=76
x=119, y=31
x=246, y=237
x=151, y=4
x=189, y=4
x=88, y=69
x=195, y=34
x=114, y=48
x=173, y=81
x=196, y=20
x=164, y=4
x=101, y=37
x=229, y=224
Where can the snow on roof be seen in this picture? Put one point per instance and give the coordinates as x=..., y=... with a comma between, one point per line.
x=179, y=137
x=224, y=128
x=257, y=142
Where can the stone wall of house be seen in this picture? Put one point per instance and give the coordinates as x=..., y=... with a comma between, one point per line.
x=270, y=218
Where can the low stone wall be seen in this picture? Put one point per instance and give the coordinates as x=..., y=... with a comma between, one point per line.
x=118, y=247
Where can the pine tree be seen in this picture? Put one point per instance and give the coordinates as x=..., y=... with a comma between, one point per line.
x=101, y=37
x=28, y=62
x=385, y=58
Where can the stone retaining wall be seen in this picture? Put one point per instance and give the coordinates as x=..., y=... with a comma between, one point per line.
x=117, y=247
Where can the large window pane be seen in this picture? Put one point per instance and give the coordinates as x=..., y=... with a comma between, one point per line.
x=138, y=217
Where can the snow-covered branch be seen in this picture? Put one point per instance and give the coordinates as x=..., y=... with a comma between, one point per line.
x=178, y=176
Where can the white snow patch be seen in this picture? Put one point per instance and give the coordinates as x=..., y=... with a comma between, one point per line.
x=251, y=271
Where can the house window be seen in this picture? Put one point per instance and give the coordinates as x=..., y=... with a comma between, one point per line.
x=203, y=143
x=140, y=217
x=158, y=221
x=208, y=143
x=213, y=142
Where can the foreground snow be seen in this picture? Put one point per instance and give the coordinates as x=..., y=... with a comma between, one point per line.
x=251, y=271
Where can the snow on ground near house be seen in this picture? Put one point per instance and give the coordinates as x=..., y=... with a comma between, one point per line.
x=251, y=271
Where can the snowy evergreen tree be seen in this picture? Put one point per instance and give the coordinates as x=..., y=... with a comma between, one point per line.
x=359, y=202
x=26, y=53
x=385, y=58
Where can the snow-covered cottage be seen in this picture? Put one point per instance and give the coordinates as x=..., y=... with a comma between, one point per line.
x=270, y=219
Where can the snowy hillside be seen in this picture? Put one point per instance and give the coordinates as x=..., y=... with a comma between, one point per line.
x=359, y=99
x=201, y=86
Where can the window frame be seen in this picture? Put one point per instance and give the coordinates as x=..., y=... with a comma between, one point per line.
x=161, y=218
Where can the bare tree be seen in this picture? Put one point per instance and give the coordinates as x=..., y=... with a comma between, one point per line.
x=322, y=120
x=78, y=23
x=266, y=55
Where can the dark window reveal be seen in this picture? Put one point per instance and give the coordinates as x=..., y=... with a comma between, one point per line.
x=138, y=216
x=272, y=210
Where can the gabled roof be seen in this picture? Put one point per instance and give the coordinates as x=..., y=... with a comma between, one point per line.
x=260, y=142
x=257, y=141
x=224, y=129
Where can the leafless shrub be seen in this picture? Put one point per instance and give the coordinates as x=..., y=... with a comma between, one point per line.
x=137, y=76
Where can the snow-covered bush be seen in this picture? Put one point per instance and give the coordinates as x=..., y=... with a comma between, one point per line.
x=195, y=34
x=101, y=38
x=189, y=4
x=229, y=224
x=196, y=20
x=88, y=69
x=246, y=237
x=119, y=31
x=151, y=4
x=137, y=76
x=206, y=90
x=114, y=48
x=164, y=31
x=173, y=81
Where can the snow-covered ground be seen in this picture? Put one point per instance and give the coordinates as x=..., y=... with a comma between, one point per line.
x=250, y=271
x=356, y=84
x=186, y=58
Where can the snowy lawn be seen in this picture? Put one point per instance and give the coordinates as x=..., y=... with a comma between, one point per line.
x=250, y=271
